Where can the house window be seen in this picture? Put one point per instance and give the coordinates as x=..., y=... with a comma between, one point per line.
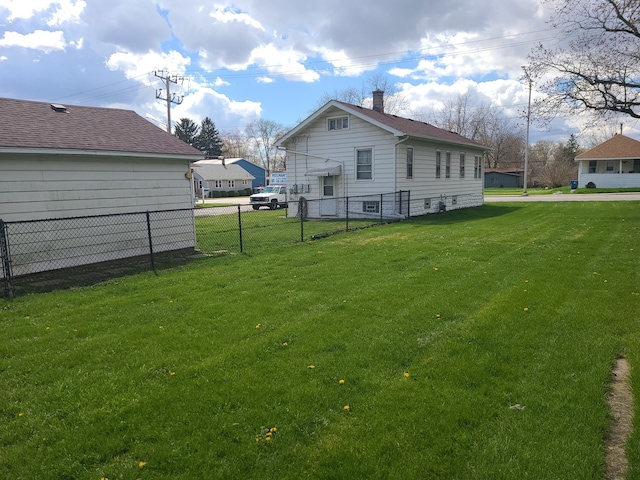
x=477, y=166
x=371, y=207
x=593, y=166
x=364, y=164
x=232, y=183
x=218, y=184
x=610, y=166
x=327, y=186
x=462, y=159
x=438, y=163
x=409, y=162
x=340, y=123
x=636, y=166
x=447, y=165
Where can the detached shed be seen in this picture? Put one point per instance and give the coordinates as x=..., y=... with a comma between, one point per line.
x=61, y=165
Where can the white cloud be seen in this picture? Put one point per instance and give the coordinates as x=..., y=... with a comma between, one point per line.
x=265, y=80
x=38, y=40
x=67, y=11
x=24, y=9
x=226, y=16
x=287, y=63
x=138, y=65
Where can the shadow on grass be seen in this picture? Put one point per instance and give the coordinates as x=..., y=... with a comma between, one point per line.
x=92, y=274
x=467, y=214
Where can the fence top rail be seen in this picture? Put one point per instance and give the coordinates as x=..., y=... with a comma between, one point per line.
x=103, y=215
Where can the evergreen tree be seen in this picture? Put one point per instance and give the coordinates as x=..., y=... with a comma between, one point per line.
x=208, y=140
x=187, y=131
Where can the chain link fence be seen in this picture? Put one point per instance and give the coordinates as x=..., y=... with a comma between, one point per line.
x=89, y=247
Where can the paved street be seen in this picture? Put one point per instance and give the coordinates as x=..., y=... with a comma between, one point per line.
x=565, y=197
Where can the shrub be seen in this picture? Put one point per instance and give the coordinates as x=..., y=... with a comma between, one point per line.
x=215, y=194
x=224, y=194
x=247, y=191
x=590, y=185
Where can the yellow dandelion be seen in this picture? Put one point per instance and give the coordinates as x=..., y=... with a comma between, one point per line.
x=48, y=328
x=172, y=373
x=285, y=344
x=341, y=381
x=435, y=269
x=257, y=439
x=141, y=464
x=346, y=408
x=258, y=325
x=21, y=414
x=526, y=309
x=526, y=281
x=405, y=374
x=311, y=367
x=273, y=430
x=437, y=315
x=27, y=317
x=267, y=438
x=161, y=327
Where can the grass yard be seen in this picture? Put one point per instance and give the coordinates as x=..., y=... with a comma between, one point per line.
x=474, y=344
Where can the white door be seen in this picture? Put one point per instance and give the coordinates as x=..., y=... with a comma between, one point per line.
x=328, y=205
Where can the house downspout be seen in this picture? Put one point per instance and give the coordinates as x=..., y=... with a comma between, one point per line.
x=395, y=180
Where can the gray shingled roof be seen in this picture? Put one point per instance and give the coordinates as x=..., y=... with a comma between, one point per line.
x=212, y=171
x=37, y=125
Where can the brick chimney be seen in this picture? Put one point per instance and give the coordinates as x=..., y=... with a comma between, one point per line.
x=378, y=101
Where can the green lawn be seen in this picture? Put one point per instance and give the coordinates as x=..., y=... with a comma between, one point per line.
x=437, y=325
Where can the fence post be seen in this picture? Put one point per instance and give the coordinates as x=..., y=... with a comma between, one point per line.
x=153, y=262
x=240, y=229
x=6, y=260
x=381, y=207
x=301, y=208
x=408, y=203
x=347, y=212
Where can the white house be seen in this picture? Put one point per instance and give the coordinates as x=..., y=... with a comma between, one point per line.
x=614, y=163
x=59, y=163
x=220, y=176
x=344, y=150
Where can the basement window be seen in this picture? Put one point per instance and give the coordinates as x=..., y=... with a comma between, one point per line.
x=371, y=207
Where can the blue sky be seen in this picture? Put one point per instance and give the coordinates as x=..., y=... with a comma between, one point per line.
x=271, y=59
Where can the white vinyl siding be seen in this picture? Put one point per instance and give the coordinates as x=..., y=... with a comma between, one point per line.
x=39, y=187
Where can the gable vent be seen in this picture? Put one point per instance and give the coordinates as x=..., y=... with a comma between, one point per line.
x=56, y=107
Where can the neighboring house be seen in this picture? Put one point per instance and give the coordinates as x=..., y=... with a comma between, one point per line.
x=60, y=162
x=612, y=164
x=501, y=178
x=259, y=173
x=345, y=150
x=218, y=176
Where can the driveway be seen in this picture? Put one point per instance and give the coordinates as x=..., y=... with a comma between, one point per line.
x=565, y=197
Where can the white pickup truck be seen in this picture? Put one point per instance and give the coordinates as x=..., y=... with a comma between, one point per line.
x=273, y=196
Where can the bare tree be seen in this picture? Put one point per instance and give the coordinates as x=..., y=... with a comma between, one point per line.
x=486, y=124
x=394, y=102
x=235, y=145
x=262, y=135
x=598, y=70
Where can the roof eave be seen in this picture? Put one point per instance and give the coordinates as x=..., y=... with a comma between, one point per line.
x=97, y=153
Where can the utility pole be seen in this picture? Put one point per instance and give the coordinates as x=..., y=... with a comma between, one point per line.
x=168, y=96
x=526, y=147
